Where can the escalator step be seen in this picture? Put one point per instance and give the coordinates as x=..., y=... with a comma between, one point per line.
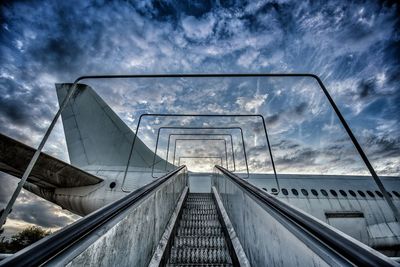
x=200, y=217
x=200, y=265
x=198, y=206
x=199, y=223
x=199, y=239
x=203, y=231
x=198, y=255
x=199, y=212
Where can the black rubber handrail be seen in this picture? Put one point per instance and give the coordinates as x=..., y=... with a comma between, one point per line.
x=45, y=249
x=346, y=248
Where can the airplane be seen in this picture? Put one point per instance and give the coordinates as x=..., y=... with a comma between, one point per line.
x=99, y=143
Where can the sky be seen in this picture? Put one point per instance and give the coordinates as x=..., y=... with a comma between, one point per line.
x=354, y=46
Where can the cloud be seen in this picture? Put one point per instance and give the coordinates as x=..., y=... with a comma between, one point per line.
x=198, y=29
x=251, y=103
x=248, y=58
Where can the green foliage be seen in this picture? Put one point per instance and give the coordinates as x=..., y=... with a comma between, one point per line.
x=23, y=239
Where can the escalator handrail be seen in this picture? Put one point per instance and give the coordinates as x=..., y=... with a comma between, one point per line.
x=45, y=249
x=358, y=254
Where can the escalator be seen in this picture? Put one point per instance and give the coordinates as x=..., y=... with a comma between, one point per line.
x=199, y=239
x=164, y=224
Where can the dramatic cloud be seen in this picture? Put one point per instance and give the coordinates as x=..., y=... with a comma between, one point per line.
x=353, y=46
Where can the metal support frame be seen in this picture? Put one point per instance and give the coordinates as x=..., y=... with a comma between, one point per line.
x=198, y=134
x=261, y=117
x=201, y=128
x=35, y=157
x=201, y=139
x=205, y=157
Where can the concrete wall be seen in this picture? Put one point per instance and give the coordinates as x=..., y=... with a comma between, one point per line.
x=129, y=239
x=265, y=238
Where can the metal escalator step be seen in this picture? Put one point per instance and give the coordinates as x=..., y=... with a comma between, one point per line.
x=199, y=241
x=199, y=212
x=208, y=196
x=192, y=199
x=198, y=255
x=196, y=204
x=200, y=217
x=200, y=231
x=200, y=206
x=200, y=265
x=199, y=223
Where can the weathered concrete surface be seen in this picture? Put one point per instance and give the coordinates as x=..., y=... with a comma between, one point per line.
x=131, y=238
x=265, y=239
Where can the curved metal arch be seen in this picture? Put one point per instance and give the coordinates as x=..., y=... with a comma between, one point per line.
x=201, y=115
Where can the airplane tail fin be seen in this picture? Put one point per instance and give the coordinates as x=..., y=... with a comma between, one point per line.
x=95, y=135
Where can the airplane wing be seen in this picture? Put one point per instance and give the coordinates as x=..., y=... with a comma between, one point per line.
x=48, y=171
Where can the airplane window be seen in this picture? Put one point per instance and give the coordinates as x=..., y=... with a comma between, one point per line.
x=314, y=192
x=285, y=192
x=265, y=189
x=274, y=190
x=304, y=192
x=395, y=193
x=333, y=192
x=343, y=193
x=378, y=193
x=370, y=193
x=324, y=192
x=390, y=195
x=294, y=191
x=352, y=193
x=361, y=193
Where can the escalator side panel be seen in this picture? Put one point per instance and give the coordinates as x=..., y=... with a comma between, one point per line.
x=267, y=240
x=129, y=239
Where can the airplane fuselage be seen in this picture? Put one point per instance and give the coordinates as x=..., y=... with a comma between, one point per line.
x=352, y=204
